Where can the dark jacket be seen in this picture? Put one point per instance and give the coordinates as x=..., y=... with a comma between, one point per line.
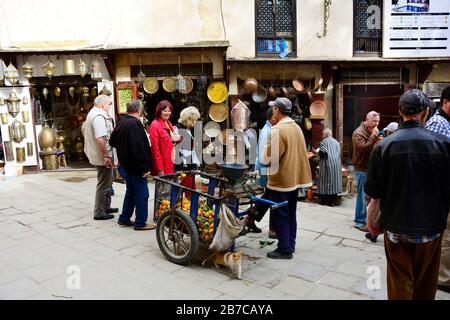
x=410, y=172
x=132, y=145
x=184, y=162
x=363, y=143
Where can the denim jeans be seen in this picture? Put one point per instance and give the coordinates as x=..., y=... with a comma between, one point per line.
x=361, y=205
x=136, y=196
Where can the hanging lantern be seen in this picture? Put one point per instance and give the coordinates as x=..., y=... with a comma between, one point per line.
x=17, y=131
x=45, y=93
x=13, y=102
x=12, y=74
x=95, y=70
x=69, y=66
x=140, y=78
x=83, y=68
x=48, y=68
x=27, y=70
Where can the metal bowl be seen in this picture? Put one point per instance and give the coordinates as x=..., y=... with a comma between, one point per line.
x=260, y=95
x=233, y=171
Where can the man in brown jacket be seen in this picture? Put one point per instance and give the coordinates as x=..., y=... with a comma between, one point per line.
x=289, y=170
x=364, y=139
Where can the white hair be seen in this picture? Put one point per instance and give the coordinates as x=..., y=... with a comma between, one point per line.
x=188, y=116
x=100, y=100
x=327, y=133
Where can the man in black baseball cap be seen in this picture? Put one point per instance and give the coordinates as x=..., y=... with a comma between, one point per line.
x=409, y=173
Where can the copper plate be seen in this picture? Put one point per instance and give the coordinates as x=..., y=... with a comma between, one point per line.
x=151, y=85
x=318, y=108
x=189, y=86
x=298, y=85
x=169, y=84
x=217, y=92
x=218, y=112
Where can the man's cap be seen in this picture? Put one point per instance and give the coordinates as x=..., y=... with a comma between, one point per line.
x=284, y=104
x=393, y=126
x=414, y=101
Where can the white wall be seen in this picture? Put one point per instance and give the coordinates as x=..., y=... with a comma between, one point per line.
x=56, y=24
x=102, y=24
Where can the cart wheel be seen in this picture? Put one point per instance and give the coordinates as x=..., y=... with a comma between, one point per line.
x=182, y=245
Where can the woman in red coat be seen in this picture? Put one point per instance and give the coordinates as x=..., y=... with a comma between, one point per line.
x=163, y=136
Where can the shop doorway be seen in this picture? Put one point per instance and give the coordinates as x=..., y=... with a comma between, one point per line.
x=359, y=100
x=62, y=103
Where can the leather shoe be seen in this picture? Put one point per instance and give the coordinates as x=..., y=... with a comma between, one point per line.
x=443, y=288
x=371, y=237
x=105, y=216
x=147, y=226
x=362, y=228
x=277, y=254
x=128, y=223
x=112, y=210
x=272, y=235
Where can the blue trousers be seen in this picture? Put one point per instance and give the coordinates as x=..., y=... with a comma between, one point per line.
x=361, y=205
x=136, y=197
x=284, y=219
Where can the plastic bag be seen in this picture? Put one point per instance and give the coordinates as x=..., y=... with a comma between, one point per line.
x=228, y=229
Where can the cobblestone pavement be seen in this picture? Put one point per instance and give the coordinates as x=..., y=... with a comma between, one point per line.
x=46, y=228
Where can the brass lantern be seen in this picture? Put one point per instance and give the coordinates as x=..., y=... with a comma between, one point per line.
x=17, y=131
x=13, y=102
x=83, y=68
x=69, y=66
x=12, y=74
x=48, y=68
x=27, y=70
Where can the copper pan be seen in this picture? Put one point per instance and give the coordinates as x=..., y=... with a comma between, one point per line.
x=298, y=85
x=271, y=92
x=251, y=85
x=285, y=91
x=319, y=84
x=260, y=95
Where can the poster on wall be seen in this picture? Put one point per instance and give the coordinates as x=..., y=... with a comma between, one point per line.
x=416, y=28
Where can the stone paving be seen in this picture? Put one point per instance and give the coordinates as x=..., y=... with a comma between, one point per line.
x=47, y=230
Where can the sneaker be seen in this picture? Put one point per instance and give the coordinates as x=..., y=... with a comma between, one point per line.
x=371, y=237
x=105, y=216
x=128, y=223
x=112, y=210
x=277, y=254
x=147, y=226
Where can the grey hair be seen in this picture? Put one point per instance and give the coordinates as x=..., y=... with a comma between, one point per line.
x=188, y=116
x=269, y=113
x=100, y=100
x=327, y=133
x=133, y=106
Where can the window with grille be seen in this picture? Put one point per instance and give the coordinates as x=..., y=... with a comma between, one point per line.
x=367, y=28
x=275, y=27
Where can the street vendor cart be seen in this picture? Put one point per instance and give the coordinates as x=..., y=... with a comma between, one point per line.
x=187, y=217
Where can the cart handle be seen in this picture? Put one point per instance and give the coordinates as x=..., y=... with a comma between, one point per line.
x=188, y=189
x=273, y=205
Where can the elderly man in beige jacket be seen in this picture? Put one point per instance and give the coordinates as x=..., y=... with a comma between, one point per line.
x=289, y=170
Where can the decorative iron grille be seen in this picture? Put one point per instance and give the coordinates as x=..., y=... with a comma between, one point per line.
x=366, y=40
x=275, y=26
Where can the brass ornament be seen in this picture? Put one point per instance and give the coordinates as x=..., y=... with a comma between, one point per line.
x=12, y=74
x=82, y=68
x=47, y=139
x=69, y=66
x=9, y=154
x=2, y=101
x=20, y=154
x=48, y=68
x=25, y=116
x=17, y=131
x=29, y=149
x=27, y=70
x=4, y=117
x=13, y=102
x=25, y=100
